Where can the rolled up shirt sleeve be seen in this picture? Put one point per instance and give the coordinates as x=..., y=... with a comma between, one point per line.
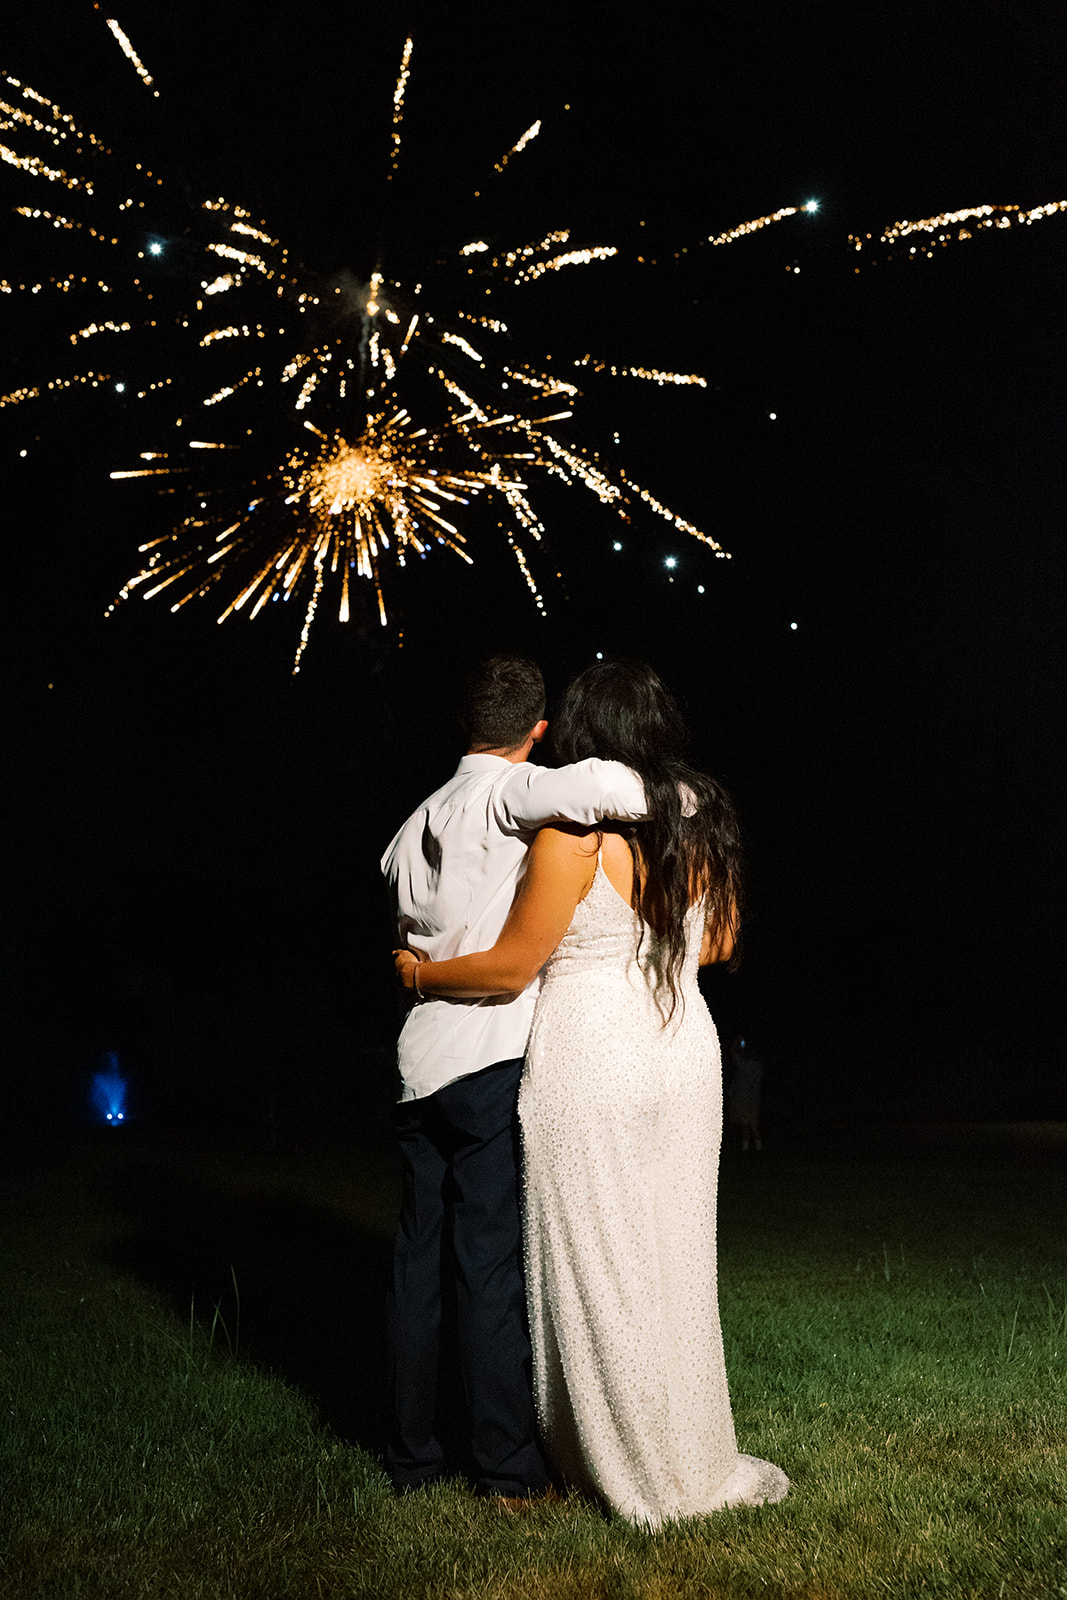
x=586, y=792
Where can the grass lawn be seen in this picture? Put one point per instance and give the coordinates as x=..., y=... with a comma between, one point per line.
x=190, y=1351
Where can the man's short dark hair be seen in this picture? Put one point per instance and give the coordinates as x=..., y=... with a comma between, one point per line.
x=503, y=698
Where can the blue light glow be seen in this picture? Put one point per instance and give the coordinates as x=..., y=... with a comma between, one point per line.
x=108, y=1093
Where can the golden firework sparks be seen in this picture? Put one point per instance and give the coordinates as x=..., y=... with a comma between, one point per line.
x=947, y=228
x=353, y=423
x=131, y=54
x=341, y=505
x=398, y=102
x=520, y=144
x=731, y=235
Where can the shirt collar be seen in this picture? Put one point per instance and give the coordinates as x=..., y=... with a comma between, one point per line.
x=484, y=762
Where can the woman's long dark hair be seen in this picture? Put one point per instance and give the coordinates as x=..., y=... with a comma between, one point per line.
x=622, y=711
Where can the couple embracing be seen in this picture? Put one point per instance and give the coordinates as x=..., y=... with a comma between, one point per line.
x=553, y=921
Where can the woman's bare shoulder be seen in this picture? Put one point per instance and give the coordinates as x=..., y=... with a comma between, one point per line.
x=562, y=861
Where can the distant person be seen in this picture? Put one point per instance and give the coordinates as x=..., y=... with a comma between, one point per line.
x=453, y=870
x=621, y=1113
x=743, y=1092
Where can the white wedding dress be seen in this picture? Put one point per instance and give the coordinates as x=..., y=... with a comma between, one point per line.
x=622, y=1124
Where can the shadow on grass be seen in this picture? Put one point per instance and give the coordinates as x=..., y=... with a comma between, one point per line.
x=291, y=1286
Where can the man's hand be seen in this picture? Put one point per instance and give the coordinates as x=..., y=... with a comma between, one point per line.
x=404, y=964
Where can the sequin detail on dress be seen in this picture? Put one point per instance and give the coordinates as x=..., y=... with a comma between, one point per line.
x=622, y=1125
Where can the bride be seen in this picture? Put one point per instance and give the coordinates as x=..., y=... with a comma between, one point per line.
x=621, y=1114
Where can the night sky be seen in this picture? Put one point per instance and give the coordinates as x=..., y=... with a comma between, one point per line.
x=195, y=832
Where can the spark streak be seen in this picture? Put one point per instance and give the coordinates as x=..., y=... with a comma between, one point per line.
x=398, y=103
x=131, y=53
x=520, y=144
x=649, y=374
x=754, y=226
x=939, y=229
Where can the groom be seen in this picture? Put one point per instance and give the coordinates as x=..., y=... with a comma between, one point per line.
x=452, y=872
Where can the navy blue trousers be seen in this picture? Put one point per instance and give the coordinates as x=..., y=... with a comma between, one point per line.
x=457, y=1309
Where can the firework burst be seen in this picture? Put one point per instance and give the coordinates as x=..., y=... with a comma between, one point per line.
x=348, y=424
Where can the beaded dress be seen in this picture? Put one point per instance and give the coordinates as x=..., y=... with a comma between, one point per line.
x=622, y=1125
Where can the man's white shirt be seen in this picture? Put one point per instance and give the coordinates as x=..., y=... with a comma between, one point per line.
x=453, y=870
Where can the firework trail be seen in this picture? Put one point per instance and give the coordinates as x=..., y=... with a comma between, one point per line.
x=131, y=54
x=948, y=227
x=744, y=228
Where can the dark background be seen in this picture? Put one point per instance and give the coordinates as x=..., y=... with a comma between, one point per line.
x=194, y=832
